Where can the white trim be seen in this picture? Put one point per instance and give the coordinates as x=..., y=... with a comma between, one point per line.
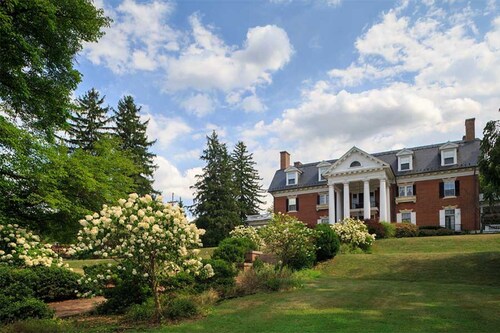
x=436, y=175
x=444, y=152
x=413, y=217
x=288, y=174
x=399, y=217
x=307, y=190
x=458, y=219
x=441, y=218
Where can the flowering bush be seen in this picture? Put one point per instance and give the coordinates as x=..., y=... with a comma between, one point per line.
x=291, y=241
x=21, y=248
x=354, y=233
x=150, y=238
x=249, y=233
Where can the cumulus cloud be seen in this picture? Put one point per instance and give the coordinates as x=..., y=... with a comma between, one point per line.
x=168, y=179
x=199, y=104
x=165, y=129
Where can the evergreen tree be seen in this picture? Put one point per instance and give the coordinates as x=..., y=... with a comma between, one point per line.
x=132, y=133
x=246, y=181
x=489, y=162
x=215, y=202
x=88, y=121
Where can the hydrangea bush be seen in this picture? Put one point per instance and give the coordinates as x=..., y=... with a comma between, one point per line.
x=354, y=233
x=22, y=248
x=250, y=233
x=147, y=237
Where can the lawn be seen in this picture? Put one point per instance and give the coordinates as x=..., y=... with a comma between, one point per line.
x=434, y=284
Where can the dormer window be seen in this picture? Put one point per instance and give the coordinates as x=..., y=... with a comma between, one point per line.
x=448, y=154
x=292, y=175
x=405, y=160
x=355, y=164
x=322, y=168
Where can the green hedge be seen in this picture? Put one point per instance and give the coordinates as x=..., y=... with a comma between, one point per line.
x=327, y=242
x=406, y=230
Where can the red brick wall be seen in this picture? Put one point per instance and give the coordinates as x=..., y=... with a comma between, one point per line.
x=307, y=208
x=429, y=203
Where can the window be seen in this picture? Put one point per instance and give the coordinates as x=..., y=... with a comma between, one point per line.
x=449, y=219
x=406, y=217
x=406, y=191
x=323, y=199
x=449, y=189
x=320, y=173
x=448, y=157
x=291, y=178
x=292, y=204
x=405, y=163
x=324, y=220
x=355, y=164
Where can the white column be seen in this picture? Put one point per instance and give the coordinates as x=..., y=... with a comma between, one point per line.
x=339, y=208
x=347, y=206
x=388, y=213
x=366, y=199
x=383, y=200
x=331, y=204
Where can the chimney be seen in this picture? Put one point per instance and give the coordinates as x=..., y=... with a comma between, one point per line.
x=470, y=131
x=284, y=160
x=297, y=164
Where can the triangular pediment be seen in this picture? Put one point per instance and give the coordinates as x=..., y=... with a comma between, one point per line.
x=405, y=152
x=355, y=160
x=448, y=145
x=292, y=169
x=323, y=164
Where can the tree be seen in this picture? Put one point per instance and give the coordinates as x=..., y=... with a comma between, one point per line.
x=88, y=121
x=149, y=238
x=489, y=161
x=38, y=42
x=246, y=181
x=215, y=202
x=132, y=133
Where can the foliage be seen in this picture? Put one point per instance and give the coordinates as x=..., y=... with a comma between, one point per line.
x=291, y=241
x=21, y=248
x=88, y=121
x=233, y=250
x=389, y=229
x=489, y=161
x=132, y=133
x=250, y=233
x=44, y=283
x=354, y=234
x=223, y=280
x=327, y=242
x=215, y=205
x=38, y=42
x=151, y=239
x=180, y=308
x=13, y=309
x=40, y=326
x=439, y=231
x=246, y=181
x=375, y=227
x=266, y=278
x=406, y=230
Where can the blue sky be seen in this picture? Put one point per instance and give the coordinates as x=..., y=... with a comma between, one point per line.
x=313, y=77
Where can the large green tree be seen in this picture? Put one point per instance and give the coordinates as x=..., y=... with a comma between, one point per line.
x=88, y=121
x=132, y=133
x=38, y=42
x=215, y=204
x=246, y=181
x=489, y=161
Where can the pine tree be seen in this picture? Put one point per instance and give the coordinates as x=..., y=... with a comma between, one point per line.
x=132, y=133
x=215, y=202
x=88, y=121
x=246, y=181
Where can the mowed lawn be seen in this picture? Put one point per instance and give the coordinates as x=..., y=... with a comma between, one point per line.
x=433, y=284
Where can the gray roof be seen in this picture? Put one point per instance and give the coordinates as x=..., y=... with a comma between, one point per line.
x=425, y=159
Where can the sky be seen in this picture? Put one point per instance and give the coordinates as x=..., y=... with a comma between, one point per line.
x=312, y=77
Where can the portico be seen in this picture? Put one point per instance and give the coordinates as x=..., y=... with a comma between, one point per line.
x=358, y=186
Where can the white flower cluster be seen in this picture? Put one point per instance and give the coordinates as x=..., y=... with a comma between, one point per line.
x=19, y=247
x=145, y=234
x=248, y=233
x=354, y=232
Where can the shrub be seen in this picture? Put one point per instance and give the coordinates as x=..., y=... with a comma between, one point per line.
x=291, y=241
x=12, y=309
x=180, y=308
x=267, y=278
x=389, y=229
x=141, y=312
x=406, y=230
x=375, y=227
x=40, y=326
x=327, y=242
x=427, y=232
x=249, y=233
x=233, y=249
x=444, y=232
x=223, y=280
x=353, y=233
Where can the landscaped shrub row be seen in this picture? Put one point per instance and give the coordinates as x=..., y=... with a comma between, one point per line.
x=406, y=230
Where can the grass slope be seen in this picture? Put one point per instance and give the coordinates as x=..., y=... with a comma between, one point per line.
x=434, y=284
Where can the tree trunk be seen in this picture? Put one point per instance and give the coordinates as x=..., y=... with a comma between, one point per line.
x=154, y=287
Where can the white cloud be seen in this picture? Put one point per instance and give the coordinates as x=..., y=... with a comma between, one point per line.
x=169, y=179
x=199, y=104
x=252, y=103
x=164, y=129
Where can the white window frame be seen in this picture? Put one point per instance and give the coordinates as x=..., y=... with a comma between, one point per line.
x=292, y=207
x=412, y=218
x=451, y=190
x=289, y=177
x=323, y=197
x=323, y=220
x=457, y=217
x=406, y=217
x=407, y=190
x=321, y=170
x=407, y=159
x=447, y=154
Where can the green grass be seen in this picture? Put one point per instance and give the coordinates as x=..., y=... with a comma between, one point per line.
x=433, y=284
x=77, y=265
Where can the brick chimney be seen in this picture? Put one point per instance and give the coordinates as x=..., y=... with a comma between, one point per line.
x=470, y=131
x=284, y=160
x=297, y=164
